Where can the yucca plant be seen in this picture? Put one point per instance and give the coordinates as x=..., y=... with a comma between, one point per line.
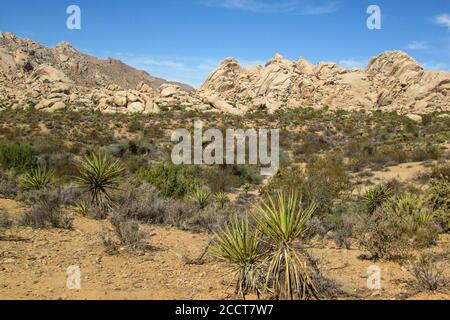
x=412, y=210
x=37, y=178
x=247, y=187
x=438, y=194
x=375, y=197
x=201, y=198
x=283, y=221
x=82, y=208
x=240, y=245
x=407, y=205
x=221, y=199
x=99, y=176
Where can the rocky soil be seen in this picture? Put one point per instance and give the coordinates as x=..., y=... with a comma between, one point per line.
x=33, y=265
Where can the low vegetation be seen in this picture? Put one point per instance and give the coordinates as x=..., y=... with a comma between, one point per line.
x=119, y=171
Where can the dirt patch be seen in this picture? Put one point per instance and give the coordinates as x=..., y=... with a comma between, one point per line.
x=33, y=265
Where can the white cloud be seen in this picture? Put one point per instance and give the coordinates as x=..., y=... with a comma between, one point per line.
x=301, y=7
x=189, y=70
x=417, y=45
x=443, y=20
x=352, y=63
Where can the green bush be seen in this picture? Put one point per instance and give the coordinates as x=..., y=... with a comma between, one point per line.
x=17, y=156
x=172, y=181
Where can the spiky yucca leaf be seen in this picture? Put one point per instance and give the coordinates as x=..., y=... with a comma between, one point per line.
x=201, y=198
x=375, y=197
x=407, y=205
x=240, y=246
x=82, y=208
x=221, y=199
x=283, y=221
x=98, y=176
x=37, y=178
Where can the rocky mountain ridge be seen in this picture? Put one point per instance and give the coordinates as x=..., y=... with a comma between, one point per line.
x=55, y=79
x=393, y=81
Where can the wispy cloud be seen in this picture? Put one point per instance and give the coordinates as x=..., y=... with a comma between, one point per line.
x=353, y=63
x=417, y=45
x=443, y=20
x=190, y=70
x=302, y=7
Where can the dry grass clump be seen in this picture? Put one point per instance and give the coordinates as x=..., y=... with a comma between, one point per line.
x=427, y=274
x=5, y=221
x=47, y=211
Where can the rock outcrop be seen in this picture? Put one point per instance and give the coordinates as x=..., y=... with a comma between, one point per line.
x=391, y=81
x=61, y=78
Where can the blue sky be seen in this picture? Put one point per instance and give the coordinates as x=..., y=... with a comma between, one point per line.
x=184, y=40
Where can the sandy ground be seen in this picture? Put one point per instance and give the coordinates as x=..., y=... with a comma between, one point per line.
x=33, y=265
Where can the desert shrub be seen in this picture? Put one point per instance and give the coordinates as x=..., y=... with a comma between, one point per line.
x=219, y=178
x=376, y=197
x=47, y=145
x=67, y=194
x=203, y=220
x=416, y=220
x=143, y=204
x=343, y=230
x=283, y=220
x=441, y=171
x=423, y=153
x=70, y=193
x=17, y=156
x=240, y=245
x=438, y=198
x=98, y=176
x=312, y=143
x=179, y=212
x=172, y=181
x=323, y=181
x=47, y=211
x=128, y=233
x=428, y=276
x=61, y=162
x=398, y=225
x=247, y=174
x=380, y=234
x=135, y=126
x=5, y=221
x=327, y=288
x=8, y=185
x=37, y=178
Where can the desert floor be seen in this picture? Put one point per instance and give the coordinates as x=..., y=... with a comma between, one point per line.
x=33, y=265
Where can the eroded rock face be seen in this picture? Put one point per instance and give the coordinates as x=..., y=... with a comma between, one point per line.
x=62, y=78
x=391, y=81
